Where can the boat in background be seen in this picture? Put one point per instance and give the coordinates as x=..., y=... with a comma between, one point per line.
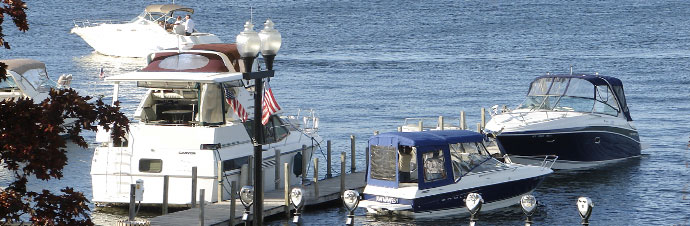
x=151, y=31
x=28, y=78
x=185, y=120
x=583, y=119
x=429, y=173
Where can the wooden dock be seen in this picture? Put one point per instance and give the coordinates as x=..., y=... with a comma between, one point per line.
x=274, y=203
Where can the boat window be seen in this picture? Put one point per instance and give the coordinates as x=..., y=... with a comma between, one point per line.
x=36, y=77
x=434, y=166
x=473, y=157
x=383, y=162
x=8, y=83
x=233, y=164
x=540, y=87
x=606, y=102
x=150, y=165
x=183, y=62
x=407, y=164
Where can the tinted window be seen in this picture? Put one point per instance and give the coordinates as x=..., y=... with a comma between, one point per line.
x=383, y=162
x=233, y=164
x=150, y=165
x=434, y=166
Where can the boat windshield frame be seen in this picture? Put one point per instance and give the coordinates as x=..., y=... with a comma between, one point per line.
x=549, y=93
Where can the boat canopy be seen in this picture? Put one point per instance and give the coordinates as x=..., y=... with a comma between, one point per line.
x=218, y=57
x=427, y=159
x=166, y=8
x=565, y=92
x=20, y=66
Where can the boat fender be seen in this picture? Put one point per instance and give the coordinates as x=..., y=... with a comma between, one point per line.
x=297, y=164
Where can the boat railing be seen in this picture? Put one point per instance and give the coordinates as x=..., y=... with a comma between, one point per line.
x=308, y=123
x=548, y=161
x=92, y=23
x=424, y=124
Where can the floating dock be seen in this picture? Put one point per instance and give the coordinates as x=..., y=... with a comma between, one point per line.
x=274, y=203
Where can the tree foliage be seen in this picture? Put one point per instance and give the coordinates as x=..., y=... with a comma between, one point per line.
x=31, y=145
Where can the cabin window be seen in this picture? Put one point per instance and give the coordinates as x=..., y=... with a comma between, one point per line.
x=434, y=166
x=383, y=162
x=8, y=83
x=606, y=101
x=233, y=164
x=150, y=165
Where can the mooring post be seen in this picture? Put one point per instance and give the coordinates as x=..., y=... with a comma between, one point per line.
x=440, y=122
x=399, y=128
x=316, y=177
x=328, y=159
x=250, y=170
x=479, y=128
x=244, y=175
x=233, y=194
x=286, y=194
x=166, y=184
x=483, y=118
x=304, y=164
x=194, y=187
x=132, y=188
x=219, y=193
x=342, y=172
x=366, y=153
x=352, y=154
x=202, y=203
x=421, y=125
x=376, y=132
x=277, y=169
x=463, y=124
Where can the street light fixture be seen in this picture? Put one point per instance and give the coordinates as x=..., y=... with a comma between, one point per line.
x=529, y=206
x=297, y=200
x=584, y=206
x=351, y=200
x=474, y=203
x=248, y=45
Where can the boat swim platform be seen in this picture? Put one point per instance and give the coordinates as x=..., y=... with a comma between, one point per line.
x=218, y=214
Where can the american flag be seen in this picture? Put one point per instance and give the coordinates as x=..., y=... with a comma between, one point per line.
x=269, y=104
x=235, y=104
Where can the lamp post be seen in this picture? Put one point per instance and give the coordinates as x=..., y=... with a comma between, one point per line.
x=249, y=44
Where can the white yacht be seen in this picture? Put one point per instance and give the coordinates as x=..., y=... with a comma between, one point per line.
x=183, y=121
x=151, y=31
x=583, y=119
x=429, y=173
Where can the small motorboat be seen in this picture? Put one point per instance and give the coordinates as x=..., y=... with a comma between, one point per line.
x=429, y=173
x=28, y=78
x=583, y=119
x=151, y=31
x=196, y=111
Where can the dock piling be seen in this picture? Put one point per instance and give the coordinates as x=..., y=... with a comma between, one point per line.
x=287, y=189
x=166, y=184
x=277, y=169
x=421, y=125
x=483, y=118
x=132, y=188
x=479, y=128
x=440, y=122
x=463, y=124
x=202, y=203
x=250, y=170
x=194, y=187
x=399, y=128
x=304, y=164
x=244, y=175
x=233, y=194
x=316, y=177
x=219, y=192
x=352, y=154
x=342, y=172
x=328, y=159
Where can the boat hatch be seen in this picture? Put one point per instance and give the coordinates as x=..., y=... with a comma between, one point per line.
x=426, y=159
x=577, y=93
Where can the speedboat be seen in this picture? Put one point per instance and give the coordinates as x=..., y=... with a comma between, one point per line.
x=152, y=30
x=185, y=120
x=429, y=173
x=583, y=119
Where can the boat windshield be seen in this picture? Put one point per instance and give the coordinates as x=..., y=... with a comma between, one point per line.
x=471, y=157
x=570, y=94
x=8, y=83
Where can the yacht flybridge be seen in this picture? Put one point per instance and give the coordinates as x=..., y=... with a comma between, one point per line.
x=185, y=121
x=583, y=119
x=151, y=31
x=429, y=173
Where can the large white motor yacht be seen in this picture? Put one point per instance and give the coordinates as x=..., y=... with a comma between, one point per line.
x=583, y=119
x=185, y=121
x=151, y=31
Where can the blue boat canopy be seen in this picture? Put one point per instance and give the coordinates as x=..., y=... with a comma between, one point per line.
x=430, y=138
x=614, y=84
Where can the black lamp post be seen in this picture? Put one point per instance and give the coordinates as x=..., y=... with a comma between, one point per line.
x=248, y=44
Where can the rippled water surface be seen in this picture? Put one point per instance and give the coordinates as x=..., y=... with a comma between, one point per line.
x=366, y=65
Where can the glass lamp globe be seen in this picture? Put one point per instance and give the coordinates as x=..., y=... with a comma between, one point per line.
x=528, y=204
x=270, y=39
x=247, y=195
x=248, y=41
x=474, y=202
x=297, y=197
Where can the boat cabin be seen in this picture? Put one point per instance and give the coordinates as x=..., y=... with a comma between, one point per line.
x=577, y=93
x=427, y=159
x=25, y=78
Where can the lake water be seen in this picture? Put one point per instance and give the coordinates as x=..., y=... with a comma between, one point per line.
x=367, y=65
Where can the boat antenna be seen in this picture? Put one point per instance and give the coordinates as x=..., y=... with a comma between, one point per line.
x=571, y=69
